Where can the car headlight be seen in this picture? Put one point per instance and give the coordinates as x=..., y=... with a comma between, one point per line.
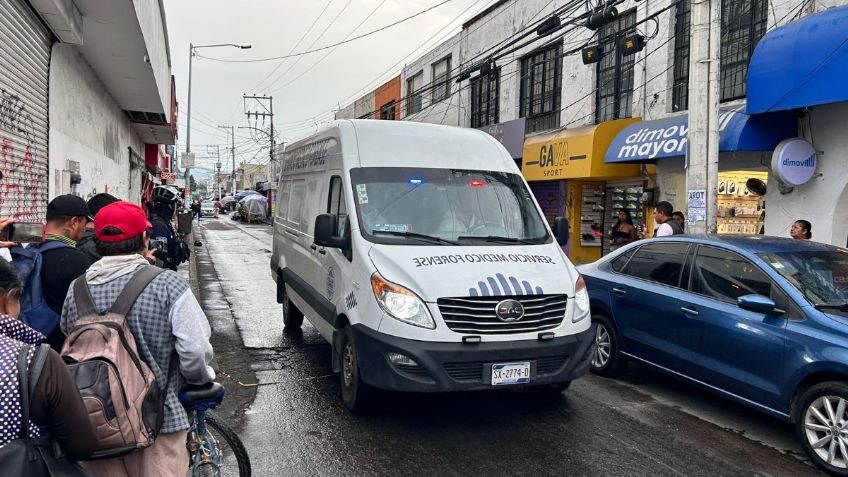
x=401, y=303
x=581, y=300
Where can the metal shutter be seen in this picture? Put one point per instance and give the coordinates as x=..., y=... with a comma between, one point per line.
x=24, y=74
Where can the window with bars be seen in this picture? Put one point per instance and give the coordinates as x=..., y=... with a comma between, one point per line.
x=413, y=93
x=614, y=96
x=388, y=110
x=680, y=87
x=441, y=79
x=743, y=23
x=541, y=88
x=485, y=99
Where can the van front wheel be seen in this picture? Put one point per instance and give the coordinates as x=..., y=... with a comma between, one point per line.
x=292, y=317
x=354, y=390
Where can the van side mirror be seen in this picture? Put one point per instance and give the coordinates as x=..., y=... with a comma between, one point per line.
x=325, y=229
x=759, y=304
x=561, y=230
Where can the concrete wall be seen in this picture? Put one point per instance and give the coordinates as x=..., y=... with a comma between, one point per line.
x=88, y=127
x=346, y=112
x=154, y=30
x=444, y=111
x=824, y=200
x=364, y=107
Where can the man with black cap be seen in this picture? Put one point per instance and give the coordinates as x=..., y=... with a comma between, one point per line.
x=67, y=216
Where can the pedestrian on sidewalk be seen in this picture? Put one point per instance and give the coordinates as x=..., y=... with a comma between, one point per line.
x=170, y=329
x=168, y=250
x=680, y=219
x=623, y=232
x=801, y=230
x=56, y=403
x=61, y=264
x=666, y=226
x=86, y=243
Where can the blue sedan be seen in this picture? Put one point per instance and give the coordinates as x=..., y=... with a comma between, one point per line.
x=760, y=320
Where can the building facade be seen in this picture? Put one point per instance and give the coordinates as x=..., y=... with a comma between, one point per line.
x=98, y=92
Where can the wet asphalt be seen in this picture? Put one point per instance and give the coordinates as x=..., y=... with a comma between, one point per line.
x=285, y=402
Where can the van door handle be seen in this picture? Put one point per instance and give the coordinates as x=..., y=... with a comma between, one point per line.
x=689, y=311
x=323, y=251
x=619, y=291
x=313, y=247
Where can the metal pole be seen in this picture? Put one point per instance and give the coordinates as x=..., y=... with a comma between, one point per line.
x=188, y=120
x=233, y=152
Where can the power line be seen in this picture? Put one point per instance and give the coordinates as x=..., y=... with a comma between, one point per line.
x=334, y=45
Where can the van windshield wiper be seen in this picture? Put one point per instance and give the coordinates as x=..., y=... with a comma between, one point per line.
x=832, y=306
x=429, y=238
x=496, y=238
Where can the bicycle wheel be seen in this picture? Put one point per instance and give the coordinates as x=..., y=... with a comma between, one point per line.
x=235, y=460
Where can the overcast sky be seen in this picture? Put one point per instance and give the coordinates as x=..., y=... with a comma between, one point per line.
x=305, y=91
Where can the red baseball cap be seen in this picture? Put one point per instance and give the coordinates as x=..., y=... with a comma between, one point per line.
x=127, y=217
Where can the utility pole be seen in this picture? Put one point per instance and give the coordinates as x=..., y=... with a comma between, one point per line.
x=216, y=151
x=267, y=103
x=233, y=152
x=702, y=155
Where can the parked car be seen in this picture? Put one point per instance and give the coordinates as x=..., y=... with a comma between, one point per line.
x=207, y=209
x=760, y=320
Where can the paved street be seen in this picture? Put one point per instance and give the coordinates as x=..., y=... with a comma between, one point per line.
x=285, y=403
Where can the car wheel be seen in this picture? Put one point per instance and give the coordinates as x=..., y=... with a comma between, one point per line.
x=606, y=359
x=292, y=317
x=354, y=390
x=821, y=420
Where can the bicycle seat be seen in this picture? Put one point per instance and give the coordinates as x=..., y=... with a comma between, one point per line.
x=209, y=393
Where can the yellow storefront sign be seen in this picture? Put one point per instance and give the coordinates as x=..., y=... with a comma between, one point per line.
x=575, y=154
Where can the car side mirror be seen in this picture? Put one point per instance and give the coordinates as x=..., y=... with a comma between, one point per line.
x=561, y=230
x=759, y=304
x=325, y=228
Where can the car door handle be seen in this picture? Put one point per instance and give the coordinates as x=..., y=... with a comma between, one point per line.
x=313, y=247
x=619, y=291
x=689, y=311
x=323, y=251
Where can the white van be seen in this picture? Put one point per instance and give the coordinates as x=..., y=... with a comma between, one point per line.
x=420, y=254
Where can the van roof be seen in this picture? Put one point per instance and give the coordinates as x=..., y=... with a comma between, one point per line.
x=412, y=144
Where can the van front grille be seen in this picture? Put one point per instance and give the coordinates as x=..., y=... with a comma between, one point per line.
x=476, y=315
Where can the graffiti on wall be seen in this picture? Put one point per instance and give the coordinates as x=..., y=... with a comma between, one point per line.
x=21, y=182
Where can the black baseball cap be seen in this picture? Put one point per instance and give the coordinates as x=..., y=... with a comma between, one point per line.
x=69, y=206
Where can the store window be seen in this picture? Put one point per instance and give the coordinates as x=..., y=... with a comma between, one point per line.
x=680, y=87
x=541, y=88
x=614, y=96
x=485, y=99
x=441, y=79
x=743, y=24
x=741, y=211
x=413, y=93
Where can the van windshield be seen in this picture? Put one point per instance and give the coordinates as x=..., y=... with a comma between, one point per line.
x=445, y=207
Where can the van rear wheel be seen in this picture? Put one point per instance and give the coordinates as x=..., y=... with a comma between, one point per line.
x=354, y=390
x=292, y=317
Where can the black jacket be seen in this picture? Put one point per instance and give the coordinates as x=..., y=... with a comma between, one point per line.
x=87, y=245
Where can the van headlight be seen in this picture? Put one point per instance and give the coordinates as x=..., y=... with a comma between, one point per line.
x=581, y=300
x=401, y=303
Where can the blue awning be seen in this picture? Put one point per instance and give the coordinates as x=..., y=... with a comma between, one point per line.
x=647, y=141
x=801, y=64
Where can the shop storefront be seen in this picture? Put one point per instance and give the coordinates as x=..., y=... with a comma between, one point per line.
x=801, y=68
x=745, y=147
x=25, y=49
x=569, y=178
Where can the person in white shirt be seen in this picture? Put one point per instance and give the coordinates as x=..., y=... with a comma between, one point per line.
x=667, y=226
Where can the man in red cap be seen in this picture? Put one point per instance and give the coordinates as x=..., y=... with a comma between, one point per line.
x=170, y=329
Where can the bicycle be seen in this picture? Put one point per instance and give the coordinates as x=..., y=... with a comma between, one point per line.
x=212, y=443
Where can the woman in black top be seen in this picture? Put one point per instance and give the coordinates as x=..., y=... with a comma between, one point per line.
x=623, y=232
x=56, y=402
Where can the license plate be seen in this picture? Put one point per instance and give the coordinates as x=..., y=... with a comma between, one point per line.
x=510, y=373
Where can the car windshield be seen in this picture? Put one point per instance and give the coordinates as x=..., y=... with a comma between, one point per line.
x=445, y=207
x=821, y=275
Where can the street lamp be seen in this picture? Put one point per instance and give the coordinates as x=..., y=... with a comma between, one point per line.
x=191, y=48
